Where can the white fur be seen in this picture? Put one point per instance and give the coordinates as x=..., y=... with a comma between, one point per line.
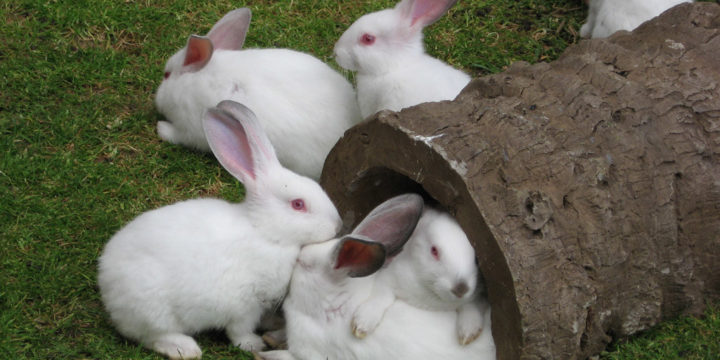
x=429, y=281
x=605, y=17
x=323, y=298
x=395, y=72
x=304, y=105
x=206, y=263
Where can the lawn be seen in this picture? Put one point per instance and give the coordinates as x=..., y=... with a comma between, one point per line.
x=79, y=156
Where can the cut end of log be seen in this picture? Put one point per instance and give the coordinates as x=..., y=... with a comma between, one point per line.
x=588, y=186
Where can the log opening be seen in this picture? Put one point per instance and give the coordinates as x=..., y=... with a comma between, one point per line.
x=403, y=170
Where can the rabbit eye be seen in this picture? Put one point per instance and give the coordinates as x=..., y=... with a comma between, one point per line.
x=166, y=75
x=298, y=205
x=435, y=253
x=367, y=39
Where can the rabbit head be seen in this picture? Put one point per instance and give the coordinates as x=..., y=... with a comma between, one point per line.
x=442, y=258
x=385, y=39
x=193, y=61
x=281, y=204
x=380, y=235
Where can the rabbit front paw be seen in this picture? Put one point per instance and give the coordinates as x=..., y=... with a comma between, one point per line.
x=166, y=130
x=469, y=325
x=250, y=342
x=276, y=339
x=365, y=320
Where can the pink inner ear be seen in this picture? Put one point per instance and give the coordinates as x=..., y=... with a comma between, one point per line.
x=237, y=151
x=198, y=52
x=229, y=142
x=427, y=12
x=360, y=258
x=353, y=254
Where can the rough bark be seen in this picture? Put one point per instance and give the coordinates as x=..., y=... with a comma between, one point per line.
x=590, y=186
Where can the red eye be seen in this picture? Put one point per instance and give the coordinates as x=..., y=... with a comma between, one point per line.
x=435, y=253
x=367, y=39
x=166, y=75
x=298, y=205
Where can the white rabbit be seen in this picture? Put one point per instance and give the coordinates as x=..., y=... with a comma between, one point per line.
x=393, y=71
x=206, y=263
x=304, y=105
x=437, y=270
x=605, y=17
x=333, y=278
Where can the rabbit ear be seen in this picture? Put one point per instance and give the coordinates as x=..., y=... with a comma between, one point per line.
x=422, y=13
x=359, y=256
x=263, y=150
x=239, y=142
x=230, y=31
x=392, y=222
x=198, y=52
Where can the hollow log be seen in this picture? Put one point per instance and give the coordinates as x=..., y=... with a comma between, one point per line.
x=589, y=186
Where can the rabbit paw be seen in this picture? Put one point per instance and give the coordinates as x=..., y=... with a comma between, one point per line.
x=250, y=342
x=585, y=30
x=274, y=355
x=166, y=131
x=276, y=339
x=469, y=327
x=365, y=320
x=177, y=346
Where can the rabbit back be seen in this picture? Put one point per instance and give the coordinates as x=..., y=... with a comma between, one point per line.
x=605, y=17
x=423, y=81
x=303, y=104
x=178, y=269
x=386, y=50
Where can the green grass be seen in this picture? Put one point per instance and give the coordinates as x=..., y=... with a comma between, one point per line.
x=686, y=338
x=79, y=156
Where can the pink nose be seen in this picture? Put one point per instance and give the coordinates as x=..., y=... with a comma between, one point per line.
x=460, y=289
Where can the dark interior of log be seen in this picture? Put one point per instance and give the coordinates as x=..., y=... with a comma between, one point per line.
x=377, y=185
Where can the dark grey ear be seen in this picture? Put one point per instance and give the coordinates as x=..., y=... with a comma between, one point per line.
x=392, y=222
x=359, y=256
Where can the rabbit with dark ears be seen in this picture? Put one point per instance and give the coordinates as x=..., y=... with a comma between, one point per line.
x=605, y=17
x=386, y=50
x=304, y=105
x=331, y=279
x=209, y=264
x=437, y=270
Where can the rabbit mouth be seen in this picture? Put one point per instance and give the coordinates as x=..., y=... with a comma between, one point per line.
x=345, y=60
x=451, y=295
x=441, y=298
